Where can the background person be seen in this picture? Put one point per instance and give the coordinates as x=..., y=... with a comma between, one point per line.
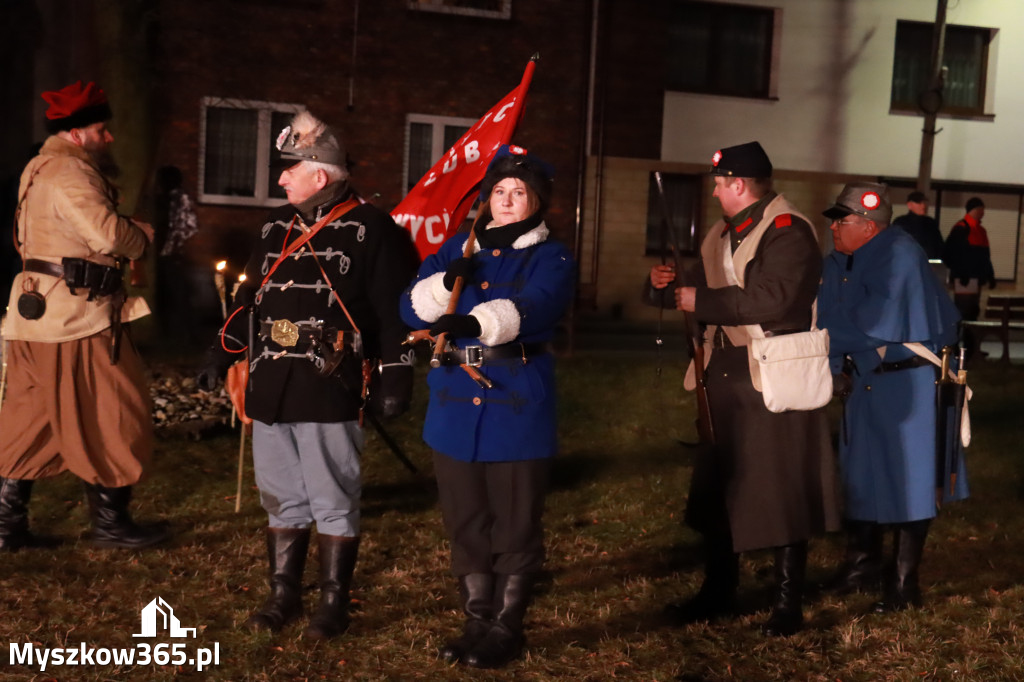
x=493, y=446
x=326, y=263
x=922, y=227
x=967, y=255
x=768, y=482
x=77, y=398
x=877, y=293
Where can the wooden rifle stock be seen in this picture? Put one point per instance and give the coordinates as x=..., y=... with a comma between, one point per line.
x=694, y=336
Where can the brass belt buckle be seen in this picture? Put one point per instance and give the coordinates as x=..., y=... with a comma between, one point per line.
x=284, y=333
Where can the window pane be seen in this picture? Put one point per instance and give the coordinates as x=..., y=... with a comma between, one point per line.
x=230, y=151
x=965, y=56
x=278, y=120
x=452, y=135
x=720, y=49
x=682, y=194
x=420, y=157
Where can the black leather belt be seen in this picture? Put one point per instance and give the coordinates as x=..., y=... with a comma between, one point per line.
x=476, y=356
x=909, y=363
x=43, y=267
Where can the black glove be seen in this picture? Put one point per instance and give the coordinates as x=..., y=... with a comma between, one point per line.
x=460, y=267
x=214, y=368
x=457, y=326
x=964, y=281
x=391, y=391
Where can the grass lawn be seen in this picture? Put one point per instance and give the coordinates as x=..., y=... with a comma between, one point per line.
x=617, y=552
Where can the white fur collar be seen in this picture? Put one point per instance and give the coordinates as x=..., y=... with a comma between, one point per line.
x=531, y=238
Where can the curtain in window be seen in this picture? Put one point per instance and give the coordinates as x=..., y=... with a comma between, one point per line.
x=231, y=139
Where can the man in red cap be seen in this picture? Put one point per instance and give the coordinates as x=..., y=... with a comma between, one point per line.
x=77, y=398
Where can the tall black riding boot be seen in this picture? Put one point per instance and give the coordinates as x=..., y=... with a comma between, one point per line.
x=903, y=589
x=504, y=641
x=717, y=595
x=14, y=497
x=790, y=570
x=862, y=569
x=477, y=592
x=337, y=563
x=286, y=551
x=112, y=525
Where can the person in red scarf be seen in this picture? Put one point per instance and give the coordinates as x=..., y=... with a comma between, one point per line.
x=966, y=253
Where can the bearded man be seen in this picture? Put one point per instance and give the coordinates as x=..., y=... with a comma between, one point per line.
x=77, y=398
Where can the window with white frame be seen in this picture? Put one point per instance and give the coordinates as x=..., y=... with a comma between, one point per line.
x=427, y=138
x=492, y=9
x=238, y=162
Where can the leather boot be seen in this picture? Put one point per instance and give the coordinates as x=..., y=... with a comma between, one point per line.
x=286, y=551
x=14, y=497
x=504, y=641
x=337, y=563
x=861, y=571
x=790, y=571
x=903, y=589
x=477, y=592
x=112, y=525
x=717, y=595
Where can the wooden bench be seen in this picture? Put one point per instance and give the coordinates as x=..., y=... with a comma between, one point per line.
x=1002, y=314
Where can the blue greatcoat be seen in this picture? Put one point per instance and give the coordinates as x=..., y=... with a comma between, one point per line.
x=518, y=294
x=883, y=295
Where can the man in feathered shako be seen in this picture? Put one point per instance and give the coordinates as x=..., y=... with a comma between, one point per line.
x=321, y=294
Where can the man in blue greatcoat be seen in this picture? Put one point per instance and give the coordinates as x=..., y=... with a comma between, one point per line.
x=878, y=293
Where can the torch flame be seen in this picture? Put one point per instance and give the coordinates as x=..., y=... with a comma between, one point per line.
x=221, y=264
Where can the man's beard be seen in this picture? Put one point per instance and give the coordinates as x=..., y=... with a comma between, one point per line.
x=104, y=160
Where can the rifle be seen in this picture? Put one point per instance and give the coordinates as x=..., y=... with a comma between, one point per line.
x=694, y=336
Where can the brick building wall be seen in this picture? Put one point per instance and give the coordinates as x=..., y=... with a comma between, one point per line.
x=405, y=62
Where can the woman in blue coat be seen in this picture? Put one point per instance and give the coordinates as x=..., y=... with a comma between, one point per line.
x=877, y=294
x=493, y=445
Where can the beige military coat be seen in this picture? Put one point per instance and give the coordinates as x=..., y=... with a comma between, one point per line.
x=68, y=209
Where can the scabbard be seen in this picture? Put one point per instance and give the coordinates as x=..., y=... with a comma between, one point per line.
x=116, y=304
x=959, y=398
x=942, y=402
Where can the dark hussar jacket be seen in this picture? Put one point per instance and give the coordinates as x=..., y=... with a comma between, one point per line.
x=368, y=260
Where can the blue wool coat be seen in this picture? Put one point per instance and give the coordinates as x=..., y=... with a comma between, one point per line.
x=519, y=294
x=883, y=295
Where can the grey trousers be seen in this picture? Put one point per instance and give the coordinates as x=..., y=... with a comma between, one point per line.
x=310, y=472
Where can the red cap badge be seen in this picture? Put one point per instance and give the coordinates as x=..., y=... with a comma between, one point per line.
x=870, y=200
x=716, y=158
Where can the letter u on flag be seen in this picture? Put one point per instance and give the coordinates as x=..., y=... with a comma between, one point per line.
x=440, y=201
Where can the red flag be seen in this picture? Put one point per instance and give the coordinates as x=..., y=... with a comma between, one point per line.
x=440, y=201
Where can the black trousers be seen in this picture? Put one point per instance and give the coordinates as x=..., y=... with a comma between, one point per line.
x=492, y=513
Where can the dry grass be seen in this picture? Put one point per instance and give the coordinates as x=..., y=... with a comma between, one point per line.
x=616, y=553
